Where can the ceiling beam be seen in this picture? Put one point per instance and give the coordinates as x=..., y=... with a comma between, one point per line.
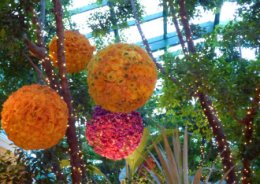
x=159, y=42
x=156, y=43
x=87, y=8
x=132, y=22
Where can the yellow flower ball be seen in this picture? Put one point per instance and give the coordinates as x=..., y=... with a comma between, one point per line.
x=121, y=77
x=78, y=51
x=35, y=117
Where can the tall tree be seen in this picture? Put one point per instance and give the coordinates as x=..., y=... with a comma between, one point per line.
x=205, y=101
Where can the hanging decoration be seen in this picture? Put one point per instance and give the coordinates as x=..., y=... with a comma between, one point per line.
x=34, y=117
x=114, y=135
x=121, y=77
x=78, y=51
x=99, y=111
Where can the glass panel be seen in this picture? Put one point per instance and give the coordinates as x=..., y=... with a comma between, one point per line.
x=157, y=54
x=248, y=53
x=205, y=16
x=81, y=19
x=228, y=11
x=153, y=28
x=151, y=7
x=170, y=26
x=131, y=34
x=80, y=3
x=81, y=22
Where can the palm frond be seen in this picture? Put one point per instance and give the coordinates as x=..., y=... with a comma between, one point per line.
x=185, y=158
x=177, y=152
x=197, y=176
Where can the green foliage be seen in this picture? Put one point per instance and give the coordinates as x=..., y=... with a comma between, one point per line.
x=180, y=108
x=82, y=102
x=100, y=176
x=137, y=157
x=15, y=23
x=173, y=160
x=14, y=69
x=102, y=22
x=40, y=163
x=215, y=74
x=13, y=170
x=192, y=6
x=111, y=19
x=219, y=70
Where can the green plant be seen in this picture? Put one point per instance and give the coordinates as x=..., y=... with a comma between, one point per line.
x=13, y=171
x=172, y=163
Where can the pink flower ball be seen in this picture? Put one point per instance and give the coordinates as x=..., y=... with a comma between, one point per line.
x=114, y=135
x=99, y=111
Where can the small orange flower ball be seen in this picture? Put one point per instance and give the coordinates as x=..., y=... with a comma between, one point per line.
x=78, y=51
x=35, y=117
x=121, y=77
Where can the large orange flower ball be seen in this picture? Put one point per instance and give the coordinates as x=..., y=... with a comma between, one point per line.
x=121, y=77
x=35, y=117
x=78, y=51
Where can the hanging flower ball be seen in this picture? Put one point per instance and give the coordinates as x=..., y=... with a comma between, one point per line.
x=99, y=111
x=78, y=51
x=121, y=77
x=115, y=135
x=34, y=117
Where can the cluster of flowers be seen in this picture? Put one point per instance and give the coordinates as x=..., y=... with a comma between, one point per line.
x=114, y=135
x=78, y=51
x=33, y=121
x=121, y=77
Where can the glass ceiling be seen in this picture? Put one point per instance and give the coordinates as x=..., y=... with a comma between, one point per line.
x=152, y=27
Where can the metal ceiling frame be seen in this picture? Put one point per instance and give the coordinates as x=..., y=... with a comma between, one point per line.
x=157, y=43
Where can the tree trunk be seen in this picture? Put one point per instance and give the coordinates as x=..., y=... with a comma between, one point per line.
x=248, y=135
x=206, y=103
x=176, y=24
x=208, y=109
x=186, y=26
x=75, y=154
x=222, y=144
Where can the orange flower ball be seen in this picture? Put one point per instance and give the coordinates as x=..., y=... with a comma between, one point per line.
x=121, y=77
x=35, y=117
x=78, y=51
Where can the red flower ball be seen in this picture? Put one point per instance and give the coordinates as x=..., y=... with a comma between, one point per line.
x=114, y=135
x=99, y=111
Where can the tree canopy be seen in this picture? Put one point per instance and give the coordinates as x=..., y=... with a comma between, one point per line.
x=207, y=85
